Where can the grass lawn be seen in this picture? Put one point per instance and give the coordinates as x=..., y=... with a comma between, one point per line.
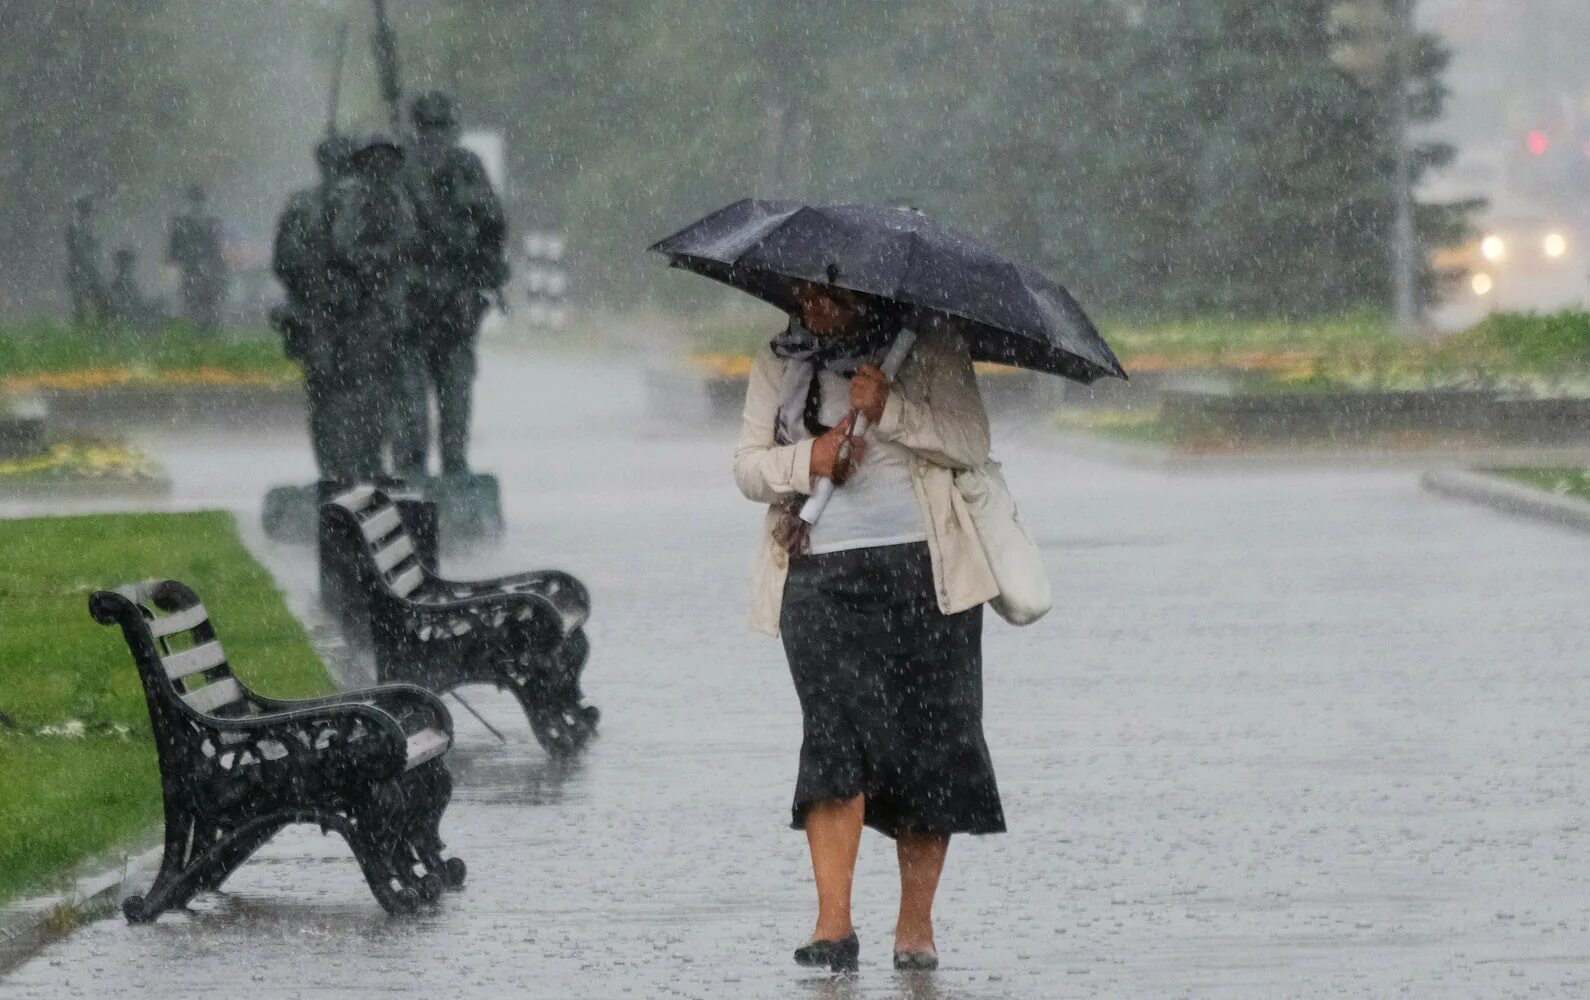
x=76, y=754
x=28, y=352
x=1202, y=342
x=1567, y=482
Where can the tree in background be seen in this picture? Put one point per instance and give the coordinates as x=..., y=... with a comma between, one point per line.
x=74, y=119
x=1188, y=157
x=1293, y=183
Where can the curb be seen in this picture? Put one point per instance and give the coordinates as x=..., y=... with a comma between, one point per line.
x=173, y=407
x=26, y=926
x=1510, y=498
x=1165, y=458
x=155, y=488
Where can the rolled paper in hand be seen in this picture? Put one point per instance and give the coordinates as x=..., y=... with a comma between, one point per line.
x=823, y=488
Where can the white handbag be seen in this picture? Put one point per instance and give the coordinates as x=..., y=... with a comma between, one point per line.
x=1024, y=594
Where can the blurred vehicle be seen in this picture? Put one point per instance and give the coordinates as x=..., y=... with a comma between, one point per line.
x=1519, y=262
x=1529, y=250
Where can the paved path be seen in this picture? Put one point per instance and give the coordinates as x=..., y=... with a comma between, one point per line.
x=1303, y=734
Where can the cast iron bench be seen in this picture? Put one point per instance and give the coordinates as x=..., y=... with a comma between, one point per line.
x=236, y=767
x=522, y=633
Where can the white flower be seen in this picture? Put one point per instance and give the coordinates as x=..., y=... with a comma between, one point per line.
x=73, y=730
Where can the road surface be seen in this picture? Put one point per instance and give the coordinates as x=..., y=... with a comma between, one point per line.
x=1293, y=734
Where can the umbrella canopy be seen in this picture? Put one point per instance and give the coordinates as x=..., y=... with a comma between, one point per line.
x=1006, y=312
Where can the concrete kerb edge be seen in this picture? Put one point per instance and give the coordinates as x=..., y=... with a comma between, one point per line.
x=1164, y=458
x=25, y=925
x=1509, y=498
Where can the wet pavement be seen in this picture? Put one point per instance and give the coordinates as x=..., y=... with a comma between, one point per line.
x=1302, y=734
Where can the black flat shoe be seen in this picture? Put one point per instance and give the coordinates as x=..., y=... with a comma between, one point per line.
x=843, y=955
x=916, y=961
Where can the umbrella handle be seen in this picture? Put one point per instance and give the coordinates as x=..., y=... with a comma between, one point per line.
x=823, y=488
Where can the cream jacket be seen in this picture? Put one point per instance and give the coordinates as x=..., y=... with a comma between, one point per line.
x=935, y=411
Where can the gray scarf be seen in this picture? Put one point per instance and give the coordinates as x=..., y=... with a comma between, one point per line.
x=806, y=352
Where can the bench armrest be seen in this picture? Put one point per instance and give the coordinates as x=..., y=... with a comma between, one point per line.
x=396, y=700
x=564, y=583
x=287, y=726
x=487, y=610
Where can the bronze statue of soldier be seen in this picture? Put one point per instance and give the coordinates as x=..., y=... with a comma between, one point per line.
x=460, y=259
x=195, y=247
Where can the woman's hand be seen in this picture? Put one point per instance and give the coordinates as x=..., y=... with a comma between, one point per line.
x=869, y=390
x=825, y=452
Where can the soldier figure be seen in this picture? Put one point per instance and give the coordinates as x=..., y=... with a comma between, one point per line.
x=83, y=280
x=125, y=304
x=316, y=294
x=373, y=235
x=195, y=247
x=461, y=257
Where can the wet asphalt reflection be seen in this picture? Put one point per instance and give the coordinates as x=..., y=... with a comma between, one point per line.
x=1302, y=733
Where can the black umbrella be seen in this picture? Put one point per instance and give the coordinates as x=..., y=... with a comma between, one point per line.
x=1006, y=312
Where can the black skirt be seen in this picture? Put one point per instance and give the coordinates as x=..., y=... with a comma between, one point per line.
x=891, y=693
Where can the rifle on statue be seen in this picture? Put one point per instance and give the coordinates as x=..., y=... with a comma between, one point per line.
x=386, y=61
x=334, y=97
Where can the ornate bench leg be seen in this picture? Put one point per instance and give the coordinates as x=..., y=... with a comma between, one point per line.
x=437, y=789
x=147, y=907
x=547, y=686
x=376, y=857
x=210, y=859
x=387, y=834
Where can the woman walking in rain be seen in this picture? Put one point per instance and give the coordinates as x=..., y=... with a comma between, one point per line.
x=879, y=603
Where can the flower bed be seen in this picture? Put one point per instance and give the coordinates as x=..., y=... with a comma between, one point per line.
x=97, y=382
x=91, y=379
x=81, y=460
x=1511, y=380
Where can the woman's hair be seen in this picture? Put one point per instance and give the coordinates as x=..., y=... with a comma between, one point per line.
x=874, y=314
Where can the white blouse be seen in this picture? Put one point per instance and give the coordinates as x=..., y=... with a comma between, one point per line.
x=878, y=504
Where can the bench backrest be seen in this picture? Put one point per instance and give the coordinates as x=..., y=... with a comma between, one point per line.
x=391, y=549
x=171, y=637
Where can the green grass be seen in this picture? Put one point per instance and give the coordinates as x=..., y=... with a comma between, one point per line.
x=1540, y=343
x=1543, y=354
x=745, y=327
x=1222, y=337
x=1568, y=482
x=64, y=799
x=50, y=348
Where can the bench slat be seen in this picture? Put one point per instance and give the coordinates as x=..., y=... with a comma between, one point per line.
x=407, y=581
x=381, y=525
x=213, y=696
x=425, y=745
x=191, y=661
x=400, y=549
x=181, y=621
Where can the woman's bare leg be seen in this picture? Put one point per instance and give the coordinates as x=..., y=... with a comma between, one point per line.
x=833, y=831
x=921, y=861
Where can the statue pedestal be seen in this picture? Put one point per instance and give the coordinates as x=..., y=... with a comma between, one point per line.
x=468, y=507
